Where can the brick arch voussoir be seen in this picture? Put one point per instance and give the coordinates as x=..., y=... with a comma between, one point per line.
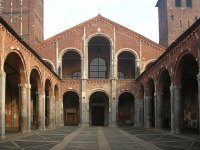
x=100, y=90
x=129, y=91
x=39, y=77
x=178, y=67
x=72, y=90
x=70, y=49
x=99, y=34
x=23, y=74
x=126, y=50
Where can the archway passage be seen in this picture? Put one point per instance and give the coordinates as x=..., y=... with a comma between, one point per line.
x=99, y=109
x=126, y=109
x=71, y=108
x=189, y=108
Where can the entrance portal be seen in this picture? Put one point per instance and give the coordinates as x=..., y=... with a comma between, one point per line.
x=99, y=109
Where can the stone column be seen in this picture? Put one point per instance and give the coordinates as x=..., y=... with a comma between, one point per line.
x=177, y=109
x=51, y=111
x=148, y=112
x=145, y=112
x=156, y=110
x=136, y=122
x=84, y=118
x=61, y=113
x=43, y=111
x=29, y=108
x=137, y=68
x=58, y=113
x=172, y=108
x=114, y=112
x=198, y=80
x=23, y=108
x=2, y=104
x=39, y=110
x=159, y=110
x=141, y=112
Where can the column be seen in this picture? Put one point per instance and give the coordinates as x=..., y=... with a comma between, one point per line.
x=39, y=110
x=159, y=110
x=43, y=111
x=50, y=111
x=23, y=108
x=156, y=110
x=172, y=108
x=148, y=112
x=28, y=108
x=2, y=104
x=114, y=112
x=58, y=108
x=61, y=113
x=145, y=112
x=177, y=109
x=137, y=68
x=136, y=122
x=141, y=112
x=198, y=80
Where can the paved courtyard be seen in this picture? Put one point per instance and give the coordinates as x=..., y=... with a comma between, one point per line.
x=100, y=138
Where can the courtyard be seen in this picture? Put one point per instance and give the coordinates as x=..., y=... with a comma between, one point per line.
x=101, y=138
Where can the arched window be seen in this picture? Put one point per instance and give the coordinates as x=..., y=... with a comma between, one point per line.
x=120, y=75
x=98, y=69
x=76, y=75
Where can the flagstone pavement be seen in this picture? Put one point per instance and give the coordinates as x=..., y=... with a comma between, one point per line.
x=100, y=138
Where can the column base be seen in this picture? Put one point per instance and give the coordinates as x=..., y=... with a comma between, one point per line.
x=84, y=125
x=23, y=131
x=178, y=131
x=3, y=137
x=28, y=131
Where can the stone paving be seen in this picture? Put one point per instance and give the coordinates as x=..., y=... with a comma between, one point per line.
x=100, y=138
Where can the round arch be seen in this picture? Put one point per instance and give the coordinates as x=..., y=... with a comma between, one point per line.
x=148, y=63
x=50, y=63
x=70, y=49
x=99, y=34
x=127, y=50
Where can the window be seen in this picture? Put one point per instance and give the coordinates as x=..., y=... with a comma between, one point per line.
x=178, y=3
x=172, y=16
x=196, y=18
x=180, y=23
x=76, y=75
x=189, y=3
x=120, y=75
x=98, y=69
x=188, y=23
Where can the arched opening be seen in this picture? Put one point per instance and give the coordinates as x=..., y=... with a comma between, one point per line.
x=71, y=108
x=99, y=58
x=126, y=109
x=35, y=83
x=12, y=107
x=189, y=96
x=126, y=64
x=164, y=84
x=99, y=104
x=71, y=63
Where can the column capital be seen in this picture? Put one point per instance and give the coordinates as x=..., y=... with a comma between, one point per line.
x=2, y=73
x=23, y=85
x=177, y=87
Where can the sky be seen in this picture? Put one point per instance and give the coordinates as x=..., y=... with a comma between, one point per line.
x=140, y=16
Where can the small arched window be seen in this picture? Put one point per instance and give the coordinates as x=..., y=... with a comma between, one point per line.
x=172, y=16
x=76, y=75
x=120, y=75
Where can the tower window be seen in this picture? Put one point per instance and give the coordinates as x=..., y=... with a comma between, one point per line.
x=188, y=23
x=178, y=3
x=172, y=16
x=196, y=18
x=189, y=3
x=180, y=23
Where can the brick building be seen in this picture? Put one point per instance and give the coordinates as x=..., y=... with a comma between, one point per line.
x=99, y=73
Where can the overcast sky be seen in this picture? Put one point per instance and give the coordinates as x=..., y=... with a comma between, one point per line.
x=140, y=16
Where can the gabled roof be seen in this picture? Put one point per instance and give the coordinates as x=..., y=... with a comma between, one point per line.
x=92, y=20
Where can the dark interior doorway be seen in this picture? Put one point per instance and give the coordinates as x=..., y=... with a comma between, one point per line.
x=97, y=115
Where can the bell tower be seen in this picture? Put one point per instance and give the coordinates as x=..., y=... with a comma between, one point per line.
x=175, y=17
x=25, y=17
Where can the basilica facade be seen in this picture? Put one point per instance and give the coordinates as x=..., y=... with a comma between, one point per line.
x=99, y=73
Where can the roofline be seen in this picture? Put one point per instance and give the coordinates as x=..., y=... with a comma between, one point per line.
x=158, y=2
x=11, y=30
x=49, y=40
x=172, y=46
